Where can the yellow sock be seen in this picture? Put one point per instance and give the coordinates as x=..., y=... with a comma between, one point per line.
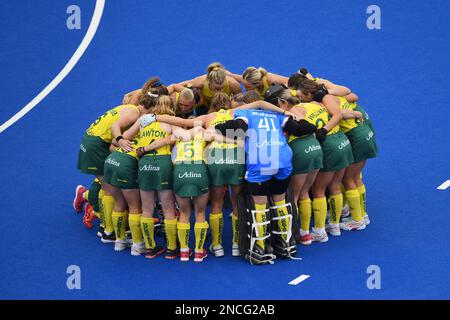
x=235, y=227
x=336, y=204
x=108, y=205
x=170, y=227
x=305, y=212
x=100, y=206
x=282, y=223
x=134, y=219
x=345, y=202
x=320, y=212
x=200, y=229
x=362, y=195
x=354, y=202
x=216, y=223
x=148, y=232
x=183, y=230
x=261, y=217
x=85, y=195
x=119, y=223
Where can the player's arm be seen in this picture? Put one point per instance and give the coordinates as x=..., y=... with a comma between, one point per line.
x=331, y=103
x=238, y=78
x=197, y=82
x=180, y=122
x=352, y=97
x=175, y=87
x=266, y=106
x=127, y=118
x=155, y=145
x=132, y=131
x=185, y=135
x=232, y=126
x=334, y=89
x=235, y=87
x=298, y=128
x=273, y=77
x=352, y=114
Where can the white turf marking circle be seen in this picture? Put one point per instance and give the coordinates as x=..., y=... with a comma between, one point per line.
x=444, y=186
x=299, y=279
x=99, y=5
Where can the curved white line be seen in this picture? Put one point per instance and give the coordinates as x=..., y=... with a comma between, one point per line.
x=99, y=5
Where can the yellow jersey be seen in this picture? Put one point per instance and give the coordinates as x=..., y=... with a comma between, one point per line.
x=152, y=133
x=222, y=116
x=348, y=124
x=102, y=126
x=192, y=150
x=266, y=86
x=317, y=115
x=208, y=94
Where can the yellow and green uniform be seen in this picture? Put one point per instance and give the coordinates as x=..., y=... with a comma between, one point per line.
x=266, y=86
x=306, y=149
x=102, y=126
x=336, y=148
x=208, y=94
x=155, y=168
x=121, y=168
x=366, y=117
x=360, y=134
x=190, y=175
x=94, y=147
x=226, y=162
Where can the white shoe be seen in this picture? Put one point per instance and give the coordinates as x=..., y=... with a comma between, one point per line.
x=366, y=219
x=120, y=245
x=333, y=229
x=235, y=250
x=350, y=224
x=137, y=248
x=345, y=211
x=319, y=237
x=217, y=251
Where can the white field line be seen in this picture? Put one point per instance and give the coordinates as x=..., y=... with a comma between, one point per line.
x=99, y=5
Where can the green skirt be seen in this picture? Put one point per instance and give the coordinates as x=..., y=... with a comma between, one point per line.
x=121, y=171
x=362, y=139
x=337, y=152
x=190, y=180
x=307, y=155
x=155, y=173
x=366, y=117
x=92, y=155
x=226, y=166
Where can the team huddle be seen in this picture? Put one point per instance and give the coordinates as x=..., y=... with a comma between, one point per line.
x=282, y=150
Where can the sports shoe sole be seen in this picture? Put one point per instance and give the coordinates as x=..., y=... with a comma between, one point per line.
x=121, y=248
x=160, y=252
x=217, y=253
x=200, y=260
x=306, y=243
x=323, y=240
x=107, y=241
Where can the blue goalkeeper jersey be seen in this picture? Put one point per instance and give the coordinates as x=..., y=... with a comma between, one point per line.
x=266, y=147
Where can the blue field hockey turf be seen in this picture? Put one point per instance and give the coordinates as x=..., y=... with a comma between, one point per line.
x=400, y=73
